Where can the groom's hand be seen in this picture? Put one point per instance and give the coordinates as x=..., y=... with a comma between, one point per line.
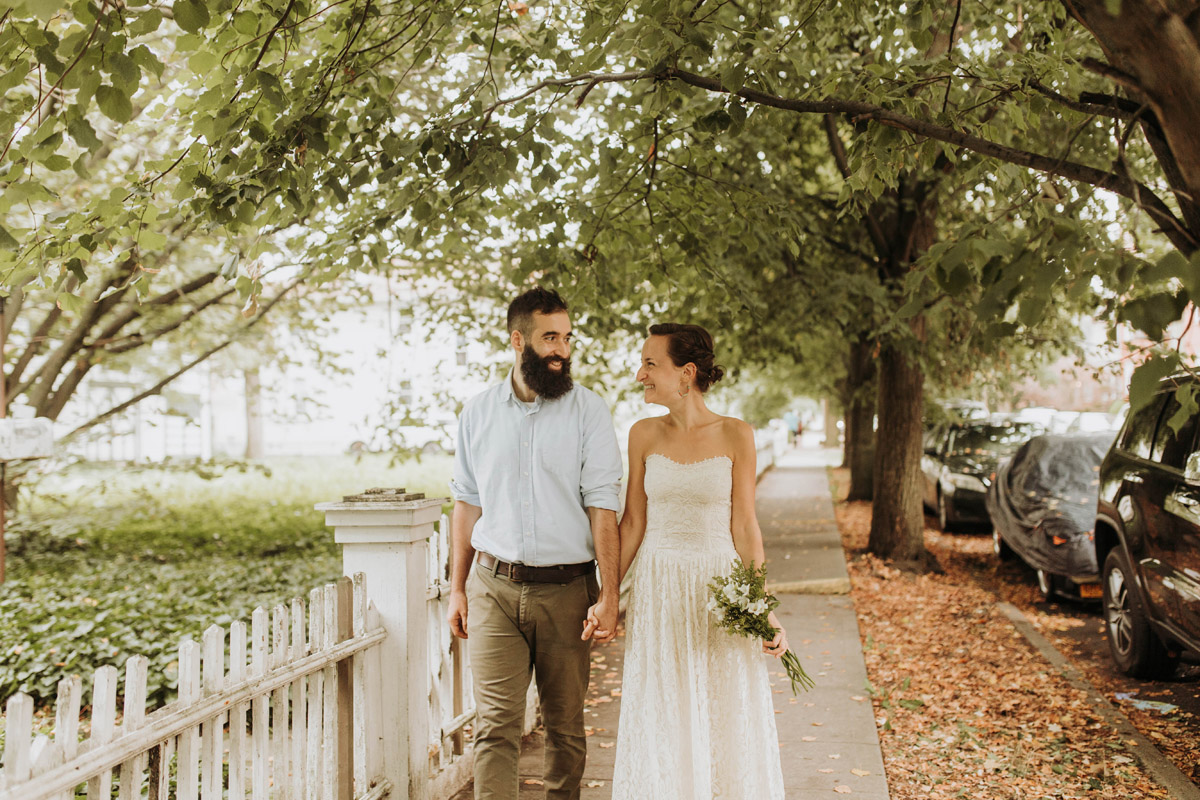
x=457, y=616
x=601, y=622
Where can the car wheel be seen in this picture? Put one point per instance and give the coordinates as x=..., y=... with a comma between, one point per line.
x=943, y=513
x=1045, y=584
x=1000, y=547
x=1134, y=645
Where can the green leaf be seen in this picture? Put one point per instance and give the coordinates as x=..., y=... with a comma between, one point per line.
x=75, y=267
x=56, y=163
x=1154, y=313
x=7, y=241
x=145, y=59
x=124, y=71
x=145, y=22
x=151, y=240
x=43, y=9
x=70, y=303
x=1188, y=407
x=114, y=104
x=191, y=15
x=733, y=77
x=1147, y=376
x=82, y=132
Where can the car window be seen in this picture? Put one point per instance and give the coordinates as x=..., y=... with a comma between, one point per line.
x=1139, y=429
x=1170, y=448
x=995, y=439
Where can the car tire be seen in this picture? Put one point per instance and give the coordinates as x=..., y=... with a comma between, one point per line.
x=943, y=513
x=1000, y=547
x=1135, y=647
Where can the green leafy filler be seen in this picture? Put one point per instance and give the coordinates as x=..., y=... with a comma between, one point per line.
x=740, y=603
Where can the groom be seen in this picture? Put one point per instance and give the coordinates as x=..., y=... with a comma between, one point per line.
x=535, y=486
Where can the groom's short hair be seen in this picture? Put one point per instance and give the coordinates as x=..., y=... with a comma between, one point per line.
x=537, y=299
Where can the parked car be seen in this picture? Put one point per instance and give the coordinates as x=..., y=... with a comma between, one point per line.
x=959, y=462
x=1148, y=536
x=1043, y=507
x=1091, y=422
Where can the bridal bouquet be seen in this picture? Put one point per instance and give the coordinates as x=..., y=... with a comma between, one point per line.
x=740, y=603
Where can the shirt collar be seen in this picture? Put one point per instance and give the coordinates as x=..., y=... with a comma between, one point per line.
x=507, y=395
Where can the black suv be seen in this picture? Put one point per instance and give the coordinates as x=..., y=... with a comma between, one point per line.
x=1148, y=536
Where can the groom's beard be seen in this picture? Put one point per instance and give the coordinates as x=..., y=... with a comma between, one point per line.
x=539, y=377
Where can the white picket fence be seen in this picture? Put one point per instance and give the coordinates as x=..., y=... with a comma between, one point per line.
x=288, y=719
x=316, y=702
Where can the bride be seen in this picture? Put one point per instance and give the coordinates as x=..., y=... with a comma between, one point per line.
x=697, y=721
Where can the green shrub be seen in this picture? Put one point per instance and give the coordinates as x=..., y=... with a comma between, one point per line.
x=108, y=564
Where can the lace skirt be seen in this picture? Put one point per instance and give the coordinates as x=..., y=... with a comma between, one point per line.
x=697, y=720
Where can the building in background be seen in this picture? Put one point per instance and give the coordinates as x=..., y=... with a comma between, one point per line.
x=389, y=376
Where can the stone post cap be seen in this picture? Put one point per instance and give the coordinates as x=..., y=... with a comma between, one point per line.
x=378, y=516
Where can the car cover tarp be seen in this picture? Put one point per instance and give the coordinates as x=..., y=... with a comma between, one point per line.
x=1049, y=489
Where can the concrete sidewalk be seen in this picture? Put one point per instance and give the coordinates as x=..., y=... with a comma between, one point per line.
x=827, y=736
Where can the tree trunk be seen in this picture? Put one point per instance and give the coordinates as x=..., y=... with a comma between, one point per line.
x=897, y=519
x=1155, y=45
x=860, y=419
x=254, y=421
x=831, y=420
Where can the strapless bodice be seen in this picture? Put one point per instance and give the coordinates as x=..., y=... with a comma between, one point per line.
x=688, y=506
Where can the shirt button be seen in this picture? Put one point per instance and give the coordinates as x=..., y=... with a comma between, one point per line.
x=525, y=443
x=525, y=473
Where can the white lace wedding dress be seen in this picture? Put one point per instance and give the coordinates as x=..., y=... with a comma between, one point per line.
x=697, y=721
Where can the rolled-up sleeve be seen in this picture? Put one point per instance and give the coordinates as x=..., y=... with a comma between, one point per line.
x=463, y=486
x=600, y=477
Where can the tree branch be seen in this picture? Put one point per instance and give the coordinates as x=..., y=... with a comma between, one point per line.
x=1139, y=193
x=874, y=230
x=158, y=387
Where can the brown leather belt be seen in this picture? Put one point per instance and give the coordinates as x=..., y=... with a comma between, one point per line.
x=557, y=573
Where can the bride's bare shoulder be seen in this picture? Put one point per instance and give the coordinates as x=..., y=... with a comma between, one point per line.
x=645, y=431
x=736, y=432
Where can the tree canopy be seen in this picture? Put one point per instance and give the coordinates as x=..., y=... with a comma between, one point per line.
x=944, y=186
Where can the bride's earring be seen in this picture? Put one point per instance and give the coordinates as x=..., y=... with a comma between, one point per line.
x=684, y=389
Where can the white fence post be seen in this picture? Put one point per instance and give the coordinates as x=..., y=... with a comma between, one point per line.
x=388, y=541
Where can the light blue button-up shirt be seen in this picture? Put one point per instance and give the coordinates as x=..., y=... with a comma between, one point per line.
x=534, y=468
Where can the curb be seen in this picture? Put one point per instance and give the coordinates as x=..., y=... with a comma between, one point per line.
x=811, y=586
x=1161, y=768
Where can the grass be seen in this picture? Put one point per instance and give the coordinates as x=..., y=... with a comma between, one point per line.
x=106, y=563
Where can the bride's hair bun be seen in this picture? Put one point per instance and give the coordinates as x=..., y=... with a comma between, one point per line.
x=691, y=344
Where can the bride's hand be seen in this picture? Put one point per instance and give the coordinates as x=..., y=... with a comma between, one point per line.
x=777, y=646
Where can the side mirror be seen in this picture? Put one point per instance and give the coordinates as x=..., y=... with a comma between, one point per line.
x=1191, y=470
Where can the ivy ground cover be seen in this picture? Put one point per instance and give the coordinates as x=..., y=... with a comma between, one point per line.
x=106, y=563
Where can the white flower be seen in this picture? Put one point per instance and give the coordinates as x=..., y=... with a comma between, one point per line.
x=758, y=606
x=743, y=590
x=730, y=593
x=720, y=612
x=713, y=605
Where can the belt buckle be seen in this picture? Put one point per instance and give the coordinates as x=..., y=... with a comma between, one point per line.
x=516, y=573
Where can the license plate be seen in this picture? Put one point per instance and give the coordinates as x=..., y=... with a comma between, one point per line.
x=1092, y=591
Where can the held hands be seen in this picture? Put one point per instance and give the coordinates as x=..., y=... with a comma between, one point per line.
x=777, y=646
x=457, y=616
x=601, y=622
